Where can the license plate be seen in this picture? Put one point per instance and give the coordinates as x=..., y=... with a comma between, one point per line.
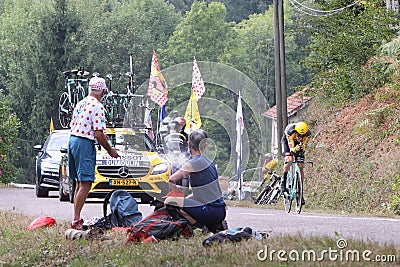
x=119, y=182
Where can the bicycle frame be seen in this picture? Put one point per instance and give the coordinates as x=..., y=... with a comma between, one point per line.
x=74, y=92
x=293, y=175
x=294, y=184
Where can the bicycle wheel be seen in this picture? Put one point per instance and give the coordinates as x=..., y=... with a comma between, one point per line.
x=288, y=202
x=261, y=197
x=108, y=108
x=273, y=196
x=299, y=192
x=290, y=187
x=65, y=110
x=254, y=194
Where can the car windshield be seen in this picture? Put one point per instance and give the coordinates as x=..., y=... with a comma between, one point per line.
x=137, y=142
x=57, y=140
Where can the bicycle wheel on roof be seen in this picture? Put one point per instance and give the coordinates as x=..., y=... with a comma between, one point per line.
x=65, y=110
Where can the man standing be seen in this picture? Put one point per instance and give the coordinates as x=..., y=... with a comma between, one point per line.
x=88, y=123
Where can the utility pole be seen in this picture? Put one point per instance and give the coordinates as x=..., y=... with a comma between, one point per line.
x=280, y=71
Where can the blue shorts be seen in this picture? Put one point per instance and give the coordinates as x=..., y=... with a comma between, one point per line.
x=205, y=214
x=81, y=158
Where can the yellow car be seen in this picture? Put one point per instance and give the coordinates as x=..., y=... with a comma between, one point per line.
x=139, y=170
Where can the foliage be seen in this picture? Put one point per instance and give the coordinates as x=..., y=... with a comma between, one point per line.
x=9, y=125
x=338, y=51
x=39, y=40
x=128, y=28
x=203, y=34
x=236, y=10
x=252, y=51
x=395, y=201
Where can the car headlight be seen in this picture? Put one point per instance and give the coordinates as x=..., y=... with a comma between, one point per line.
x=49, y=167
x=160, y=168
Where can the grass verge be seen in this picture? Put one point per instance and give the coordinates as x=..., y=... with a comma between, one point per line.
x=49, y=247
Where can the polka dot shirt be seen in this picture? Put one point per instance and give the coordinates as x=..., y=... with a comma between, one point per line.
x=88, y=117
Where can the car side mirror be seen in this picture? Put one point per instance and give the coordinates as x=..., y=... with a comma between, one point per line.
x=63, y=149
x=37, y=148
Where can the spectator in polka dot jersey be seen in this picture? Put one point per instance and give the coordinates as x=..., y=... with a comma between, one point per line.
x=88, y=123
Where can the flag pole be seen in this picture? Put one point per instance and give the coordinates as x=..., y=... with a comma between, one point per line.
x=239, y=132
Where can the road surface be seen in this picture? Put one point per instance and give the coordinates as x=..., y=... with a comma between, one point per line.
x=274, y=221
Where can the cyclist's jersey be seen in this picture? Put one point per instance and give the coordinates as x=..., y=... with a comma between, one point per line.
x=88, y=117
x=290, y=134
x=270, y=165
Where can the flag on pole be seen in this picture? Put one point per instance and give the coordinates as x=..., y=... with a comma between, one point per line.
x=147, y=120
x=239, y=126
x=51, y=124
x=163, y=113
x=192, y=115
x=239, y=132
x=157, y=84
x=197, y=82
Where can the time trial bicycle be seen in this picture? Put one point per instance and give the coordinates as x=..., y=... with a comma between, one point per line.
x=74, y=92
x=294, y=185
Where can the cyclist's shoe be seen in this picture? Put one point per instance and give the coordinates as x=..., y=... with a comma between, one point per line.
x=282, y=186
x=303, y=202
x=77, y=224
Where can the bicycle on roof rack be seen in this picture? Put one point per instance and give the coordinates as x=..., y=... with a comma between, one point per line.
x=75, y=92
x=120, y=109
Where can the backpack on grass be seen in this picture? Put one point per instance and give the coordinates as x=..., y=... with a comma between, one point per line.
x=163, y=223
x=124, y=209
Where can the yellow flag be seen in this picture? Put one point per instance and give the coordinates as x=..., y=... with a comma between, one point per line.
x=51, y=125
x=192, y=115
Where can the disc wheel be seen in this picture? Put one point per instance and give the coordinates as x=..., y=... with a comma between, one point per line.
x=65, y=110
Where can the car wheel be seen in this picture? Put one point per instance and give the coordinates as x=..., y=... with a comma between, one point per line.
x=72, y=185
x=40, y=191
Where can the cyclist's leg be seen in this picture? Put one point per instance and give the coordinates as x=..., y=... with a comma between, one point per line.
x=288, y=158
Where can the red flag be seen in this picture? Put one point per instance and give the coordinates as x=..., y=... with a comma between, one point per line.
x=197, y=82
x=157, y=84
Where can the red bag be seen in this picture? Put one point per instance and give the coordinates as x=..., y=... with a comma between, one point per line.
x=41, y=221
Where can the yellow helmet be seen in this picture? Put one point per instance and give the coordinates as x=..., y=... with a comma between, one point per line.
x=301, y=128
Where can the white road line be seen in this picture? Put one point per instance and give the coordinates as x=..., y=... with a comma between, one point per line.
x=327, y=217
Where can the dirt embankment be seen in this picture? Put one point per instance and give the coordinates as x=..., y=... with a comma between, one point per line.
x=356, y=154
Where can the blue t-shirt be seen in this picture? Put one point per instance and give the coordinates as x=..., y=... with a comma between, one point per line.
x=204, y=181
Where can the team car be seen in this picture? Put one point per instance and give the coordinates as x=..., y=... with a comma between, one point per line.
x=48, y=161
x=140, y=170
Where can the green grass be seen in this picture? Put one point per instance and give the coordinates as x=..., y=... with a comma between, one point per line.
x=49, y=247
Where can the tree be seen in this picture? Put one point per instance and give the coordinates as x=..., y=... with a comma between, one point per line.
x=252, y=51
x=342, y=43
x=9, y=125
x=203, y=33
x=113, y=33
